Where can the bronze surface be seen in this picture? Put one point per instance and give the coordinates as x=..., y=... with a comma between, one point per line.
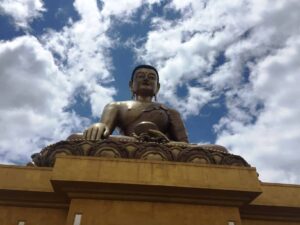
x=131, y=116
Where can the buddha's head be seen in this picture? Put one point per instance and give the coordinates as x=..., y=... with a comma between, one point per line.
x=144, y=81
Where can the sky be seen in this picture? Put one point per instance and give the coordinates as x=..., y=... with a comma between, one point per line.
x=230, y=67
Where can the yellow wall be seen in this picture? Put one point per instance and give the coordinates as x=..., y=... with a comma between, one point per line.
x=98, y=212
x=121, y=191
x=33, y=216
x=25, y=178
x=130, y=171
x=279, y=195
x=268, y=222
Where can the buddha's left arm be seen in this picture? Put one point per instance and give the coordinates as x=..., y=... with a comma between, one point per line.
x=177, y=129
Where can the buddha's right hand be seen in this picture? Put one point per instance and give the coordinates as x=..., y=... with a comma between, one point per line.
x=96, y=132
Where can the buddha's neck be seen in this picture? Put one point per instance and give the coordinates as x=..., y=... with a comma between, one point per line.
x=143, y=98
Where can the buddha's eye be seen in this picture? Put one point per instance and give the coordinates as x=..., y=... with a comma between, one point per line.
x=140, y=75
x=151, y=76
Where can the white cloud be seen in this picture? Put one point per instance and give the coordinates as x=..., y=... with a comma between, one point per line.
x=120, y=7
x=258, y=36
x=83, y=54
x=123, y=8
x=22, y=11
x=83, y=48
x=271, y=143
x=261, y=35
x=33, y=95
x=37, y=87
x=186, y=51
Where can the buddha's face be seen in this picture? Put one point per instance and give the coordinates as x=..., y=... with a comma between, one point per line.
x=145, y=82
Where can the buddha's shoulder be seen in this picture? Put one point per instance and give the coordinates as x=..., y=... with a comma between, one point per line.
x=120, y=104
x=133, y=103
x=157, y=105
x=170, y=110
x=163, y=106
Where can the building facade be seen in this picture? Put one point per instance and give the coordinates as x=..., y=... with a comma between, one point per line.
x=82, y=190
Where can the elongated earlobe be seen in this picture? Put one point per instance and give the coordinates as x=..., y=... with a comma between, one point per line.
x=132, y=92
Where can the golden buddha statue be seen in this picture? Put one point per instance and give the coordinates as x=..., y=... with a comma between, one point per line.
x=140, y=115
x=149, y=130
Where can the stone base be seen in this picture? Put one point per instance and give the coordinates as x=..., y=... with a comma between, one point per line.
x=130, y=148
x=96, y=191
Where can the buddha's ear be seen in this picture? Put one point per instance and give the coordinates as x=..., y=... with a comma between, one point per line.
x=131, y=87
x=131, y=90
x=158, y=87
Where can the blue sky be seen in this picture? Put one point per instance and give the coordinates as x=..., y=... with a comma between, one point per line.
x=230, y=67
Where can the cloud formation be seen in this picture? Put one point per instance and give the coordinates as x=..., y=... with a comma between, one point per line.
x=271, y=142
x=31, y=100
x=41, y=77
x=83, y=55
x=246, y=51
x=22, y=12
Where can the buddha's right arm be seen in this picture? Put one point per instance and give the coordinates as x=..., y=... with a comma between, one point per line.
x=106, y=125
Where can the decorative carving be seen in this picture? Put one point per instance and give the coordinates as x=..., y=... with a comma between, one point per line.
x=196, y=155
x=153, y=151
x=109, y=149
x=130, y=148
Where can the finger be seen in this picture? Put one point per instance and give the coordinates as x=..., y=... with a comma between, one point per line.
x=158, y=134
x=89, y=133
x=106, y=133
x=85, y=134
x=99, y=133
x=154, y=132
x=94, y=133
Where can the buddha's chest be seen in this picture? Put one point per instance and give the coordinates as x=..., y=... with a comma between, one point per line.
x=134, y=114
